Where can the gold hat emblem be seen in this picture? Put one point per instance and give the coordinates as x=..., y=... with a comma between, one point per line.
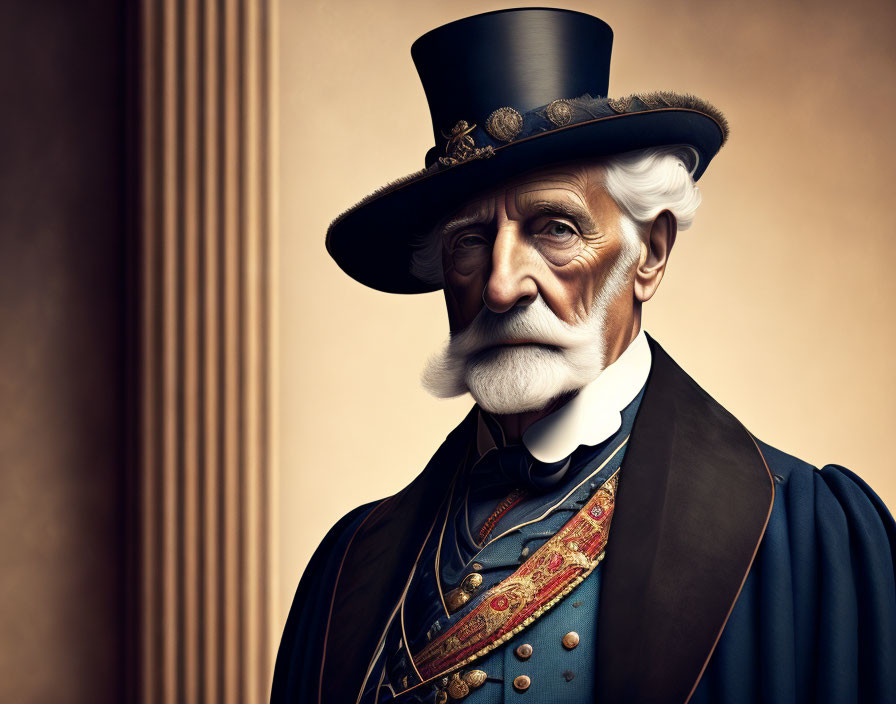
x=504, y=124
x=559, y=112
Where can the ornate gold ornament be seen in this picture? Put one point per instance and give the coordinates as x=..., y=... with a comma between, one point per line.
x=459, y=596
x=457, y=688
x=459, y=685
x=504, y=124
x=559, y=112
x=461, y=146
x=474, y=678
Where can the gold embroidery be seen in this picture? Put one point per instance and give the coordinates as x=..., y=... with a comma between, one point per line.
x=541, y=582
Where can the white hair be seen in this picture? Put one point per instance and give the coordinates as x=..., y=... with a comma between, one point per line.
x=643, y=184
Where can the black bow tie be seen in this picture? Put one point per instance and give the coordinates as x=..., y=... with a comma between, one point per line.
x=514, y=464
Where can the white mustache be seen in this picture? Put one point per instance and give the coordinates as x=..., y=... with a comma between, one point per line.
x=574, y=358
x=517, y=378
x=535, y=323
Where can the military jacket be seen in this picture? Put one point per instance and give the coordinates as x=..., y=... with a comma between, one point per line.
x=732, y=573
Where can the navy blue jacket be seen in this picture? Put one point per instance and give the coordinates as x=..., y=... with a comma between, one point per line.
x=736, y=573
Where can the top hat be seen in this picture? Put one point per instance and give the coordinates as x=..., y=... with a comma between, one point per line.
x=508, y=92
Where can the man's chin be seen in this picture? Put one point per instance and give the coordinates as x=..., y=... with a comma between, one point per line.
x=503, y=406
x=519, y=379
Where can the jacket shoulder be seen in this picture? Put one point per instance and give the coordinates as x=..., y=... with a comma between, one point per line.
x=843, y=513
x=817, y=613
x=297, y=664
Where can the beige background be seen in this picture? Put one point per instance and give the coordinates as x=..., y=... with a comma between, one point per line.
x=778, y=300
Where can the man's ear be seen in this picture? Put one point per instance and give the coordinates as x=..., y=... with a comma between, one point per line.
x=652, y=264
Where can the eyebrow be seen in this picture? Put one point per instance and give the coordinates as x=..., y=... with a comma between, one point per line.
x=566, y=209
x=460, y=222
x=545, y=207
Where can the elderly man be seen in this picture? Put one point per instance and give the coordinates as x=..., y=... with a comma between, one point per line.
x=598, y=528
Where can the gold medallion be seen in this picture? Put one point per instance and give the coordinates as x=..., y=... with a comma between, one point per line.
x=559, y=112
x=504, y=124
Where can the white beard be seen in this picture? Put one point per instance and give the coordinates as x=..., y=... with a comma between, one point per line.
x=527, y=377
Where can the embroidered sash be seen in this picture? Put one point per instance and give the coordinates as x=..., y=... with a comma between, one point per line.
x=548, y=575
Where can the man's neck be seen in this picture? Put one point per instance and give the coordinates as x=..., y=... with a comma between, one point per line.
x=515, y=424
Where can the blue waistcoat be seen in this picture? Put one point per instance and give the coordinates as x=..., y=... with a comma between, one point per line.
x=553, y=672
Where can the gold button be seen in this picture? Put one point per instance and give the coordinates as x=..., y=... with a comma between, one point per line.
x=476, y=566
x=471, y=582
x=524, y=651
x=570, y=640
x=474, y=678
x=521, y=683
x=441, y=697
x=457, y=688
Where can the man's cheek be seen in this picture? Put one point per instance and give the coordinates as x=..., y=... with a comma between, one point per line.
x=462, y=300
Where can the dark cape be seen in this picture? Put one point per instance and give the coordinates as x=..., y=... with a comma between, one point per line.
x=734, y=572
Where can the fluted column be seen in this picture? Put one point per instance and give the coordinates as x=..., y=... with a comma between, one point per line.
x=205, y=621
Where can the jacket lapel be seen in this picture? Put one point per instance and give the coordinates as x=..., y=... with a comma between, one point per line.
x=693, y=501
x=694, y=498
x=376, y=566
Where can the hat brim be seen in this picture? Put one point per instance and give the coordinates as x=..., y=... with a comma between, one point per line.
x=373, y=241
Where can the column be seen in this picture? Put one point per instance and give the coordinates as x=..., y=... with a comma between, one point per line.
x=205, y=354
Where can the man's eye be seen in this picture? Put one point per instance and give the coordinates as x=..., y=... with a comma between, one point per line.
x=558, y=229
x=470, y=241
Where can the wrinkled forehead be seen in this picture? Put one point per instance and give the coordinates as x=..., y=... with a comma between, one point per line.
x=576, y=182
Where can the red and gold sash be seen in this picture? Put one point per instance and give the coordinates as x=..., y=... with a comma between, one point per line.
x=552, y=572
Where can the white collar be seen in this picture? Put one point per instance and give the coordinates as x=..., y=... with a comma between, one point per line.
x=592, y=415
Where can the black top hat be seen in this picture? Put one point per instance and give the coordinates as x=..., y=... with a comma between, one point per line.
x=509, y=91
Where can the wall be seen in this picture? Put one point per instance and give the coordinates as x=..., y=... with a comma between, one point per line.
x=61, y=352
x=778, y=300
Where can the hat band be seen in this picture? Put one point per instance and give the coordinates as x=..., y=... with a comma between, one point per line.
x=465, y=141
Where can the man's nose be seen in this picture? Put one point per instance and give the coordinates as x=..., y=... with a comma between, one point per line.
x=510, y=282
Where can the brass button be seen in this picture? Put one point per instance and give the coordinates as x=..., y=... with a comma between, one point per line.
x=474, y=678
x=521, y=683
x=457, y=688
x=476, y=566
x=441, y=697
x=524, y=651
x=471, y=582
x=570, y=640
x=459, y=596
